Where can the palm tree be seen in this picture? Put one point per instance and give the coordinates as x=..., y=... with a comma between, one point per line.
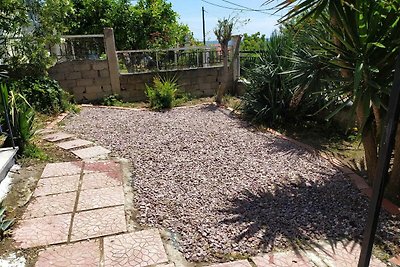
x=364, y=45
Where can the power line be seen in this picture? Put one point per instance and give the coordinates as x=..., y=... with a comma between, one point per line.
x=239, y=9
x=245, y=7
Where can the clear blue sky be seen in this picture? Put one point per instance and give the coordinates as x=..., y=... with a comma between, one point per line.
x=249, y=22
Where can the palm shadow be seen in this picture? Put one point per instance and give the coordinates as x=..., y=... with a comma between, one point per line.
x=301, y=214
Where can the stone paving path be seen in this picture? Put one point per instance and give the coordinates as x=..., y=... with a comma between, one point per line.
x=77, y=217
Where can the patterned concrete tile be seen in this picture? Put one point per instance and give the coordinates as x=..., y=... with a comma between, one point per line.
x=100, y=198
x=100, y=222
x=81, y=254
x=281, y=259
x=241, y=263
x=50, y=205
x=62, y=169
x=74, y=144
x=42, y=231
x=339, y=255
x=110, y=167
x=57, y=137
x=57, y=185
x=134, y=249
x=395, y=260
x=91, y=152
x=95, y=180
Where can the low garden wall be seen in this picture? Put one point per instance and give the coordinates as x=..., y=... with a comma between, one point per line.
x=87, y=80
x=201, y=82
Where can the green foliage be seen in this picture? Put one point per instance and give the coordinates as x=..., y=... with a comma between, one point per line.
x=147, y=24
x=5, y=223
x=254, y=42
x=162, y=94
x=112, y=100
x=44, y=94
x=34, y=152
x=268, y=94
x=223, y=31
x=21, y=116
x=28, y=28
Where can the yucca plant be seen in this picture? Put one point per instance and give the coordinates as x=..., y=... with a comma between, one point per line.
x=268, y=95
x=5, y=223
x=21, y=116
x=162, y=93
x=362, y=44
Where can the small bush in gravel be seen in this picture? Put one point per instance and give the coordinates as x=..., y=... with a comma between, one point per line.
x=162, y=94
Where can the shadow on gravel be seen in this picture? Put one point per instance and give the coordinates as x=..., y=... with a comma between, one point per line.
x=299, y=214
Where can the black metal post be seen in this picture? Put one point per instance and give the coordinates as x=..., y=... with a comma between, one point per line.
x=385, y=153
x=204, y=26
x=8, y=120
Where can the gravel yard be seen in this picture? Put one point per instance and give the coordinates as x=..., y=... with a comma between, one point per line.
x=226, y=190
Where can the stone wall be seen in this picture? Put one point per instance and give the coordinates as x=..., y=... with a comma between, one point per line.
x=87, y=80
x=202, y=82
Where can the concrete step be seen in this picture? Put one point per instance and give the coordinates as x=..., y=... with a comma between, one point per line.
x=7, y=160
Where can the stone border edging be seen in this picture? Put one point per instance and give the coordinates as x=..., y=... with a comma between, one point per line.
x=356, y=179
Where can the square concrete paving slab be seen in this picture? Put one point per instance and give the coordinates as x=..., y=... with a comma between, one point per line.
x=241, y=263
x=50, y=205
x=91, y=152
x=62, y=169
x=100, y=222
x=45, y=131
x=109, y=166
x=134, y=249
x=57, y=137
x=74, y=144
x=282, y=259
x=81, y=254
x=57, y=185
x=341, y=254
x=42, y=231
x=100, y=180
x=101, y=198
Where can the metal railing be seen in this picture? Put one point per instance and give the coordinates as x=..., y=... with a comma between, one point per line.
x=79, y=47
x=140, y=61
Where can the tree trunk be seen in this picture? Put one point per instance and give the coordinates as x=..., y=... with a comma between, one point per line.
x=369, y=143
x=393, y=186
x=224, y=80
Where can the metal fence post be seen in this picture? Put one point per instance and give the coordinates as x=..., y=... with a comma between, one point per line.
x=112, y=60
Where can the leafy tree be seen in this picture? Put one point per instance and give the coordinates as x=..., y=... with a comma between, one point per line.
x=148, y=24
x=27, y=28
x=254, y=42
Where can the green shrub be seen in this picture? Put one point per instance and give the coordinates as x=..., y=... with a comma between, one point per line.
x=268, y=94
x=21, y=116
x=44, y=94
x=162, y=94
x=112, y=100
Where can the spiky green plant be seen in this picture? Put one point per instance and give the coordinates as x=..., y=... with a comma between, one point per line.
x=5, y=223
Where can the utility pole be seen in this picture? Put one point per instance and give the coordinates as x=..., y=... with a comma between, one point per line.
x=204, y=26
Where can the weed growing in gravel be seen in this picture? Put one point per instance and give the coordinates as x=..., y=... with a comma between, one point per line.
x=162, y=94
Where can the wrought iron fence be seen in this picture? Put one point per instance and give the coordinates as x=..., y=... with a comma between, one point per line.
x=139, y=61
x=78, y=47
